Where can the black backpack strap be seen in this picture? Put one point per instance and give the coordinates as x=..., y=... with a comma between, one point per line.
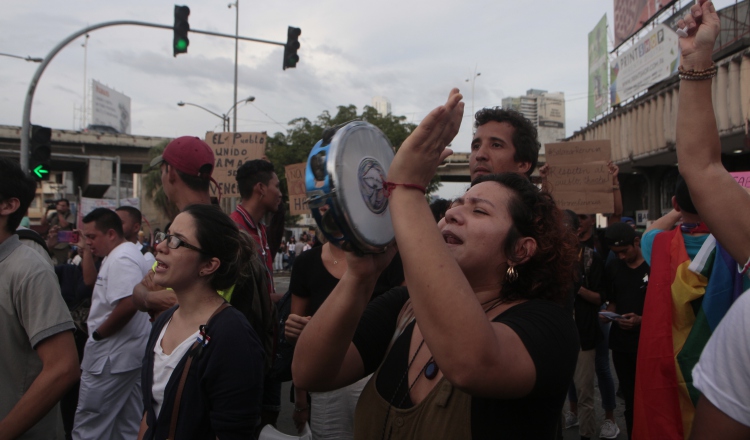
x=30, y=234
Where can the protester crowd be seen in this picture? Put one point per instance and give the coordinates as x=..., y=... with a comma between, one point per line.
x=480, y=327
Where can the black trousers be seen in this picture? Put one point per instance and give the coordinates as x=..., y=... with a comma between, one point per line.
x=625, y=367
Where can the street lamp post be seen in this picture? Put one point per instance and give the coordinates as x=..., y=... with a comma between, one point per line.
x=473, y=79
x=236, y=5
x=225, y=119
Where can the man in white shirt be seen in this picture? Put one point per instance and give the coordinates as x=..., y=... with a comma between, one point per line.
x=109, y=404
x=131, y=225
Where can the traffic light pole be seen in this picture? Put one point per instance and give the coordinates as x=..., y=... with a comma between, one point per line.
x=26, y=125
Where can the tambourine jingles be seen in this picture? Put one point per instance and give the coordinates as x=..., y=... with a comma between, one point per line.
x=344, y=179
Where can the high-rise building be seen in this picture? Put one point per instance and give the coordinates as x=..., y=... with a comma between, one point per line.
x=546, y=110
x=382, y=105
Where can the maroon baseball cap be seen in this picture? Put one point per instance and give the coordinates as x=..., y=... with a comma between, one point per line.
x=190, y=155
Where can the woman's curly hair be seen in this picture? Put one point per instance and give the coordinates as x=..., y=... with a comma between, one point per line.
x=549, y=273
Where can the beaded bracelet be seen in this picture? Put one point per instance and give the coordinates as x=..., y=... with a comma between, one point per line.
x=301, y=409
x=698, y=75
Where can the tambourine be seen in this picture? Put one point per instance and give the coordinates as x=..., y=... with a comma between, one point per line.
x=344, y=179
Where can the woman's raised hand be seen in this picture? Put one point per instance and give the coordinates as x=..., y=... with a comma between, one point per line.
x=702, y=26
x=421, y=153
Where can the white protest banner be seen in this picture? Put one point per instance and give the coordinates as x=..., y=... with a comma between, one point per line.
x=231, y=150
x=295, y=183
x=578, y=176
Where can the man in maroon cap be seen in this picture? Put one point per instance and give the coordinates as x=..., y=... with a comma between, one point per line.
x=186, y=166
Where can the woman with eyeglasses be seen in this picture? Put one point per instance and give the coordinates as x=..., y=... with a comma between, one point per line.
x=218, y=393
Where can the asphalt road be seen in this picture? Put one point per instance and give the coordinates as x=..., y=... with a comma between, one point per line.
x=286, y=425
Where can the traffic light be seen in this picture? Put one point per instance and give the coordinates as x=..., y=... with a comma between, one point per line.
x=181, y=28
x=41, y=152
x=290, y=49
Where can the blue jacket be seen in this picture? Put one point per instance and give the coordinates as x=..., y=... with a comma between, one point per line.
x=222, y=393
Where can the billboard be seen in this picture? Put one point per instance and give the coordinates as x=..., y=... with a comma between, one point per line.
x=598, y=69
x=109, y=107
x=631, y=15
x=652, y=59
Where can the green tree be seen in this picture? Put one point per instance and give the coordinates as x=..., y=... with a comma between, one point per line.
x=152, y=183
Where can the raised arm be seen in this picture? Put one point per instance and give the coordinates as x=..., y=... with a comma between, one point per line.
x=469, y=349
x=722, y=204
x=325, y=357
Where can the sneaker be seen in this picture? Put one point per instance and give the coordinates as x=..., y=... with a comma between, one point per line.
x=609, y=429
x=571, y=420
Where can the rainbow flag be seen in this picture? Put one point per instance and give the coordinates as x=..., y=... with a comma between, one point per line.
x=685, y=302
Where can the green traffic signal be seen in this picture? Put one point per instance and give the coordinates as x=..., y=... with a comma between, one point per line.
x=39, y=171
x=181, y=28
x=40, y=154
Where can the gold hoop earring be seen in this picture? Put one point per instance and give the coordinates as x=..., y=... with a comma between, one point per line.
x=511, y=275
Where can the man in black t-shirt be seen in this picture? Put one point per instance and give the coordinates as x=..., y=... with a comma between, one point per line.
x=627, y=280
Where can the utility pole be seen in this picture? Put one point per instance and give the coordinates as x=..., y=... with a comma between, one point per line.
x=85, y=46
x=236, y=5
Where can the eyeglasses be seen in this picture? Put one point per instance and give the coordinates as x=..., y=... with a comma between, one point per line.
x=174, y=242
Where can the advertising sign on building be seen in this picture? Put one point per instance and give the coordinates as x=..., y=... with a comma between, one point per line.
x=652, y=59
x=631, y=15
x=109, y=107
x=551, y=110
x=578, y=176
x=295, y=183
x=231, y=150
x=598, y=69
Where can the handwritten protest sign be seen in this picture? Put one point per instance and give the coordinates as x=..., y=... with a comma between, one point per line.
x=295, y=183
x=743, y=178
x=231, y=150
x=578, y=176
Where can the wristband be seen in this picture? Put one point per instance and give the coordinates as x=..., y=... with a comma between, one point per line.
x=96, y=336
x=301, y=409
x=388, y=187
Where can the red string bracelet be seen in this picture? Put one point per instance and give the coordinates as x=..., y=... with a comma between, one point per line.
x=388, y=187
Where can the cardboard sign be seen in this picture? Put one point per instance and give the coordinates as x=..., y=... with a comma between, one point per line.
x=581, y=178
x=231, y=150
x=575, y=153
x=295, y=183
x=578, y=176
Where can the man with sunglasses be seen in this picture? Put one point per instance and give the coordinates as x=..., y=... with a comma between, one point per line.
x=109, y=404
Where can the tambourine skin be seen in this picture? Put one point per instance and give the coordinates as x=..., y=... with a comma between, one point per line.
x=344, y=180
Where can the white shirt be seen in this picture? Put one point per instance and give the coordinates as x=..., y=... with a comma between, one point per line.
x=164, y=365
x=120, y=271
x=722, y=373
x=148, y=256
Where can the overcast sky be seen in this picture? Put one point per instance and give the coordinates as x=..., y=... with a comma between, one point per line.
x=413, y=52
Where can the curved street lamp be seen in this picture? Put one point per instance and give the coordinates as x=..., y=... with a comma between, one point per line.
x=224, y=118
